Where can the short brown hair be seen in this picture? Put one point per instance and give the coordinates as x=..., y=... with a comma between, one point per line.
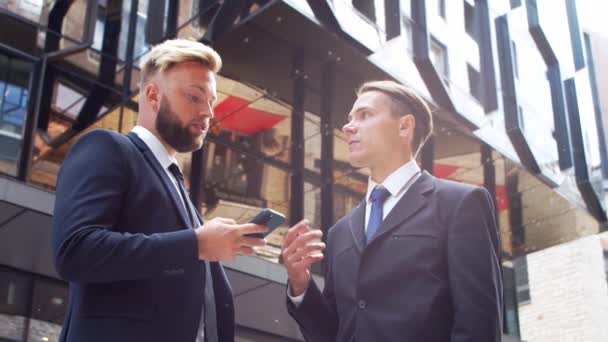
x=170, y=52
x=405, y=101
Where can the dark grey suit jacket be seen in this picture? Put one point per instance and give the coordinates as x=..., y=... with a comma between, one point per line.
x=431, y=273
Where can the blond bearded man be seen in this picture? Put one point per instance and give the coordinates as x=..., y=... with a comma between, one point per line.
x=141, y=263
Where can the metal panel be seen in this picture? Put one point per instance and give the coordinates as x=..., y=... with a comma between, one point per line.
x=513, y=125
x=223, y=20
x=554, y=77
x=562, y=128
x=489, y=177
x=25, y=244
x=264, y=309
x=599, y=118
x=155, y=22
x=486, y=58
x=8, y=212
x=581, y=171
x=26, y=196
x=515, y=3
x=325, y=14
x=392, y=15
x=422, y=58
x=575, y=35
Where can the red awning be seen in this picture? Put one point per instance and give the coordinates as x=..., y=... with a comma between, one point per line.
x=234, y=114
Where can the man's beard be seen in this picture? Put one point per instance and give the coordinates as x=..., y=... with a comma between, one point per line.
x=173, y=131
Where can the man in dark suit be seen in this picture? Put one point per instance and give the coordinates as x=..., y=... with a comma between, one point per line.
x=417, y=260
x=141, y=264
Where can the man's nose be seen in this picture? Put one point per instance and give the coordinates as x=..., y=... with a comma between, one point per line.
x=348, y=128
x=207, y=111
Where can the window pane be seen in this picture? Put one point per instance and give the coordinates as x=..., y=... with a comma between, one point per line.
x=14, y=96
x=439, y=58
x=47, y=160
x=247, y=115
x=49, y=302
x=312, y=141
x=239, y=185
x=474, y=82
x=13, y=304
x=312, y=204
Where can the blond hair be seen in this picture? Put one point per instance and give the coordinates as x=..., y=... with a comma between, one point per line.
x=405, y=101
x=170, y=52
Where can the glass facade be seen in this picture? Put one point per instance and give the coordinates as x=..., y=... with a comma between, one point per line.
x=248, y=159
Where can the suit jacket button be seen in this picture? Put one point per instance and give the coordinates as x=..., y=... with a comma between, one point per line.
x=362, y=304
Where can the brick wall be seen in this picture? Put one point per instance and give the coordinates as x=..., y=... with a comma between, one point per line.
x=568, y=294
x=11, y=327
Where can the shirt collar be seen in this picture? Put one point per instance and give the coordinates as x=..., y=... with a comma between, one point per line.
x=396, y=181
x=157, y=148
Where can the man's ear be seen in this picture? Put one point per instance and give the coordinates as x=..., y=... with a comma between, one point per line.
x=407, y=124
x=152, y=95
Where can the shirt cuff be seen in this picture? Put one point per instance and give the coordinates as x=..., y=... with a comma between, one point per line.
x=296, y=300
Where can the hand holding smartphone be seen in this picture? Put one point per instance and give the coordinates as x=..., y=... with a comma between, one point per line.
x=269, y=218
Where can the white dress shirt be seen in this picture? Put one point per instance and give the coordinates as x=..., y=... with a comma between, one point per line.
x=397, y=184
x=160, y=152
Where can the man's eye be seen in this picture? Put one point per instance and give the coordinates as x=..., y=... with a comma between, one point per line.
x=195, y=98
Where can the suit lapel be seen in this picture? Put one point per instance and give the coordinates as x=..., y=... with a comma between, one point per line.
x=198, y=215
x=357, y=224
x=160, y=172
x=412, y=202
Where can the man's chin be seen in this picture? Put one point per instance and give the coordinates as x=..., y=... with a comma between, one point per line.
x=191, y=147
x=356, y=161
x=197, y=145
x=197, y=142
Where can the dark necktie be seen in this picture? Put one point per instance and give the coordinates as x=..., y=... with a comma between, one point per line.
x=179, y=177
x=377, y=197
x=209, y=318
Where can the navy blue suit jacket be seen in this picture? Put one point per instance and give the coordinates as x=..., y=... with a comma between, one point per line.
x=430, y=274
x=123, y=240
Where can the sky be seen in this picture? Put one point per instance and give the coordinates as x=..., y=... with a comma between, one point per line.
x=592, y=15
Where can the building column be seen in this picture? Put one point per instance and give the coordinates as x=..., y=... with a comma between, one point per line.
x=427, y=155
x=296, y=203
x=327, y=146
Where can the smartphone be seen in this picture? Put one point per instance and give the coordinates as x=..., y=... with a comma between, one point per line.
x=269, y=218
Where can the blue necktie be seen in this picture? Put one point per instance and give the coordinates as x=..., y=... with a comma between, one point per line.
x=378, y=196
